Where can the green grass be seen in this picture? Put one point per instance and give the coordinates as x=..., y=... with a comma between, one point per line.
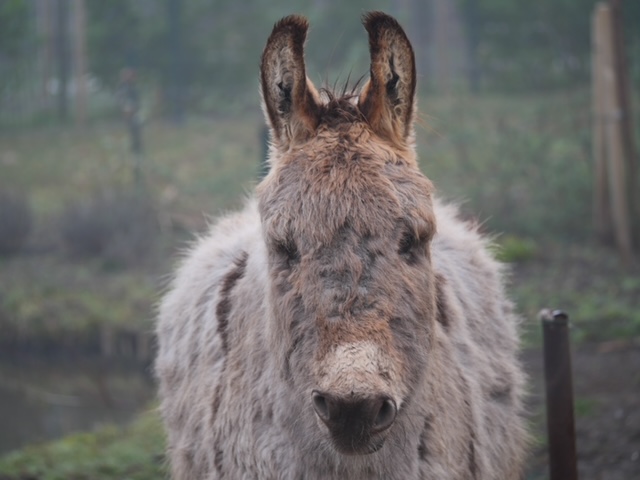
x=133, y=452
x=592, y=284
x=205, y=164
x=52, y=296
x=511, y=248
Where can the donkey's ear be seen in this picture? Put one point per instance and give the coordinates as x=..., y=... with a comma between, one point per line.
x=290, y=100
x=388, y=98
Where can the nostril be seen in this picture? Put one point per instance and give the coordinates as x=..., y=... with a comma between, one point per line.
x=365, y=416
x=386, y=415
x=320, y=405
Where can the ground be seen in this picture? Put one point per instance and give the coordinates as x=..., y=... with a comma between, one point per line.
x=606, y=391
x=582, y=279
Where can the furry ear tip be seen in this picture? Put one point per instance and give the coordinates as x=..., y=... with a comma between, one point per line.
x=296, y=25
x=376, y=20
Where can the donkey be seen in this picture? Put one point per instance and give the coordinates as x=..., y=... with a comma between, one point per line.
x=345, y=324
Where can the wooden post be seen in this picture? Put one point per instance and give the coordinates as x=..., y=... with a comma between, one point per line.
x=601, y=207
x=617, y=170
x=559, y=392
x=80, y=62
x=626, y=122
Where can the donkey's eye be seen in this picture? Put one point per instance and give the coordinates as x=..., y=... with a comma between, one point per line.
x=407, y=243
x=287, y=250
x=409, y=246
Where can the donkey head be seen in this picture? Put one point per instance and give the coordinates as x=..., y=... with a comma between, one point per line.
x=347, y=219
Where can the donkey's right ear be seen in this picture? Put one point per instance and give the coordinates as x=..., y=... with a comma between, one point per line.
x=388, y=98
x=290, y=101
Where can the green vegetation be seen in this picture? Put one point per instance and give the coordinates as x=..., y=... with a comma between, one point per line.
x=203, y=165
x=134, y=452
x=521, y=164
x=600, y=293
x=15, y=222
x=515, y=249
x=583, y=407
x=49, y=298
x=51, y=294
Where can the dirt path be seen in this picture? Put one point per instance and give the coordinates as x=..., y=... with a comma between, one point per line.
x=607, y=395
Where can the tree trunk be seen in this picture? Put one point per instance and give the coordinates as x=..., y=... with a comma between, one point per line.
x=62, y=54
x=472, y=20
x=626, y=121
x=601, y=204
x=617, y=170
x=80, y=62
x=44, y=30
x=176, y=74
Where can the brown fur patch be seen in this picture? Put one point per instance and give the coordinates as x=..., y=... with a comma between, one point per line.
x=218, y=461
x=423, y=449
x=471, y=457
x=473, y=469
x=502, y=394
x=339, y=110
x=215, y=405
x=343, y=331
x=224, y=305
x=287, y=361
x=443, y=315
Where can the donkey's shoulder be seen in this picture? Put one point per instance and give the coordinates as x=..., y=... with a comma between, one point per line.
x=472, y=282
x=230, y=238
x=216, y=260
x=461, y=253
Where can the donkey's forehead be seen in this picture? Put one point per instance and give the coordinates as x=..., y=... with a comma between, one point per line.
x=344, y=178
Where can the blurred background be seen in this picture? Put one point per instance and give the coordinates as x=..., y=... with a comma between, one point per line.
x=126, y=125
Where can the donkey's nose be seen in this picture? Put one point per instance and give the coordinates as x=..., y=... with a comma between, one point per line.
x=347, y=417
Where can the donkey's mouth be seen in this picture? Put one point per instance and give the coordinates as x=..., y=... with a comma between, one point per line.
x=350, y=447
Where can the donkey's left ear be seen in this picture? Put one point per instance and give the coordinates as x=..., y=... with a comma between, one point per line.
x=388, y=99
x=290, y=100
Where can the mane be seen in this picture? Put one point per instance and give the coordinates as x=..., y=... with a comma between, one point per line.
x=340, y=104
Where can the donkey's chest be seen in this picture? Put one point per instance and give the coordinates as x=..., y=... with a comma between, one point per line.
x=259, y=441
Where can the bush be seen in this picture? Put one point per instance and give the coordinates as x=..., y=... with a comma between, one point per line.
x=522, y=166
x=515, y=249
x=120, y=227
x=15, y=222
